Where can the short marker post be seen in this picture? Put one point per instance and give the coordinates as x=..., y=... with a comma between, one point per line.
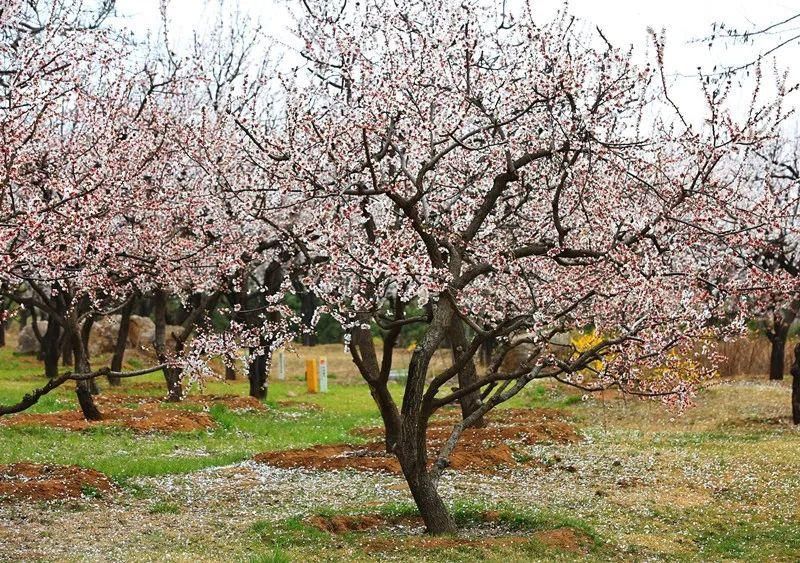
x=323, y=375
x=281, y=365
x=312, y=376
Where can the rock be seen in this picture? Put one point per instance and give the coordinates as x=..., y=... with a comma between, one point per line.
x=103, y=337
x=142, y=332
x=27, y=343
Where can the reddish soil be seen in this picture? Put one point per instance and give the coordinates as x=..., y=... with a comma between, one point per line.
x=146, y=418
x=232, y=402
x=343, y=524
x=142, y=414
x=439, y=542
x=565, y=539
x=479, y=449
x=33, y=481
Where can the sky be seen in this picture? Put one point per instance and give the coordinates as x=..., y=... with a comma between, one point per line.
x=624, y=22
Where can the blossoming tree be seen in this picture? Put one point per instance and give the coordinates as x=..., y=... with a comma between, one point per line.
x=522, y=180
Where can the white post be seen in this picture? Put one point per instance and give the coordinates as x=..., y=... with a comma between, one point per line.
x=323, y=375
x=281, y=365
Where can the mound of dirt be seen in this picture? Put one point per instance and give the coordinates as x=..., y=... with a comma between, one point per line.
x=142, y=414
x=565, y=539
x=440, y=542
x=145, y=418
x=479, y=449
x=232, y=402
x=33, y=481
x=343, y=524
x=369, y=457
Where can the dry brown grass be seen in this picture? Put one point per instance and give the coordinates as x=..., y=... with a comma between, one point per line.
x=749, y=356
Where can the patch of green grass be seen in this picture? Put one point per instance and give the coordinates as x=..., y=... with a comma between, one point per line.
x=287, y=533
x=750, y=541
x=275, y=556
x=91, y=492
x=518, y=519
x=165, y=507
x=122, y=453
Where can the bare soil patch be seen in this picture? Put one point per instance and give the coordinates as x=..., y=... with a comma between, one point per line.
x=142, y=414
x=439, y=542
x=342, y=524
x=35, y=482
x=145, y=418
x=565, y=539
x=479, y=449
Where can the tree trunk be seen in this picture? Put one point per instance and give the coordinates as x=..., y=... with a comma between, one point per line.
x=86, y=331
x=122, y=341
x=466, y=376
x=257, y=374
x=412, y=448
x=431, y=507
x=83, y=389
x=778, y=352
x=230, y=373
x=363, y=351
x=796, y=386
x=171, y=375
x=66, y=352
x=51, y=348
x=411, y=451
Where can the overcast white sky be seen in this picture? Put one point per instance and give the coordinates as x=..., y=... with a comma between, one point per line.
x=623, y=22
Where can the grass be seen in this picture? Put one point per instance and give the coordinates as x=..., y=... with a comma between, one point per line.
x=719, y=482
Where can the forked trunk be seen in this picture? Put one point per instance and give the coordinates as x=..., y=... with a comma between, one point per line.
x=86, y=331
x=777, y=355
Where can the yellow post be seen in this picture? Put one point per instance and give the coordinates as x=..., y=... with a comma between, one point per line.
x=312, y=376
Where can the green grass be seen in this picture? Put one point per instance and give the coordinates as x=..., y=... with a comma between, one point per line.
x=165, y=507
x=511, y=533
x=743, y=466
x=237, y=436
